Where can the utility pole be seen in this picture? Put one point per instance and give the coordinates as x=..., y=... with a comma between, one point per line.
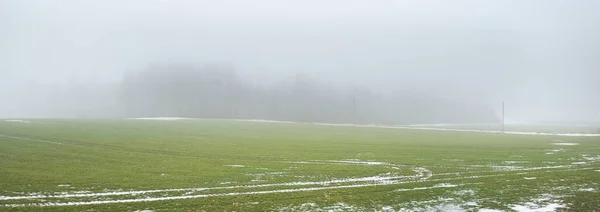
x=354, y=108
x=502, y=116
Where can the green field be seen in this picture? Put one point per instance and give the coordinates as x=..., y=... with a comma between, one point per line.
x=219, y=165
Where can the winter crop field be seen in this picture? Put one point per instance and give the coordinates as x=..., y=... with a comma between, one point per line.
x=219, y=165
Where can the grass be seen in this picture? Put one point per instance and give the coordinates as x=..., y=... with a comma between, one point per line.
x=469, y=170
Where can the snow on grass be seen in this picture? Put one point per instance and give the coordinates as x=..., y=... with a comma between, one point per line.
x=592, y=158
x=422, y=175
x=349, y=162
x=489, y=210
x=530, y=178
x=532, y=207
x=507, y=168
x=565, y=144
x=544, y=203
x=441, y=185
x=555, y=150
x=162, y=118
x=30, y=139
x=17, y=121
x=442, y=207
x=438, y=129
x=464, y=192
x=310, y=204
x=515, y=162
x=387, y=208
x=236, y=166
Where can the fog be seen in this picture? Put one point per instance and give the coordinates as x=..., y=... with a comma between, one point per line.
x=378, y=61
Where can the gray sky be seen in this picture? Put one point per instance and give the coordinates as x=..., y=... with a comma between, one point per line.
x=540, y=56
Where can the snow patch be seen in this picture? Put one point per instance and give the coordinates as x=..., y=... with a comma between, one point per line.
x=565, y=144
x=437, y=129
x=506, y=168
x=591, y=158
x=556, y=150
x=530, y=178
x=515, y=162
x=236, y=166
x=464, y=192
x=489, y=210
x=387, y=208
x=472, y=204
x=310, y=204
x=588, y=189
x=161, y=118
x=30, y=139
x=18, y=121
x=544, y=203
x=441, y=185
x=532, y=207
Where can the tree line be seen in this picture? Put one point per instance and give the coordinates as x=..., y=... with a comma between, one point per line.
x=217, y=92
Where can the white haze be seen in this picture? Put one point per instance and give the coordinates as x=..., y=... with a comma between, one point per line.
x=539, y=56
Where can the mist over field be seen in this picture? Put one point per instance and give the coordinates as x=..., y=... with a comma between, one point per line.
x=368, y=62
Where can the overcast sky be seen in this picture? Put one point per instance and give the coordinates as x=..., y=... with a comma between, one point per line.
x=541, y=56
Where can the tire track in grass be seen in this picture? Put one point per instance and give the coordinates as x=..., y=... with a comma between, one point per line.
x=154, y=199
x=422, y=176
x=30, y=139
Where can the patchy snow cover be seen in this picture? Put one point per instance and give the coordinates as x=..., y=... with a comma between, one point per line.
x=507, y=168
x=441, y=185
x=578, y=163
x=515, y=162
x=544, y=203
x=565, y=144
x=552, y=151
x=489, y=210
x=422, y=175
x=437, y=129
x=388, y=178
x=529, y=207
x=464, y=192
x=30, y=139
x=236, y=166
x=442, y=207
x=17, y=121
x=592, y=158
x=161, y=118
x=530, y=178
x=387, y=208
x=310, y=204
x=588, y=189
x=266, y=121
x=349, y=161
